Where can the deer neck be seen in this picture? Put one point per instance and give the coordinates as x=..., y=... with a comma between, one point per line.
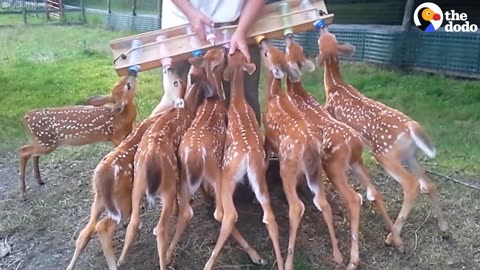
x=332, y=77
x=237, y=86
x=296, y=88
x=194, y=98
x=273, y=86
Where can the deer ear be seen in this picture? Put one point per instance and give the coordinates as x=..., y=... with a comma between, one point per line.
x=196, y=61
x=249, y=68
x=346, y=49
x=294, y=72
x=277, y=72
x=227, y=73
x=99, y=100
x=308, y=65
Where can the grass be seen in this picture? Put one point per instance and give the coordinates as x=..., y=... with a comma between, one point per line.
x=48, y=66
x=40, y=71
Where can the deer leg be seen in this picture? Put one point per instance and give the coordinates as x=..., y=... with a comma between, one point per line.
x=230, y=215
x=105, y=230
x=352, y=201
x=168, y=201
x=36, y=170
x=25, y=153
x=184, y=216
x=289, y=174
x=426, y=185
x=410, y=188
x=315, y=183
x=138, y=192
x=87, y=232
x=376, y=197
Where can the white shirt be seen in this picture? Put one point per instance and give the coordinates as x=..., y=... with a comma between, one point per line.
x=219, y=11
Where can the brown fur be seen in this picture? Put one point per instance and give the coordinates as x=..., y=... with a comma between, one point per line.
x=343, y=145
x=393, y=136
x=51, y=128
x=243, y=154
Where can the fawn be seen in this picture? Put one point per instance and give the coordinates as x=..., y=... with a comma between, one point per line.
x=156, y=166
x=112, y=186
x=244, y=154
x=51, y=128
x=393, y=136
x=344, y=146
x=201, y=149
x=303, y=150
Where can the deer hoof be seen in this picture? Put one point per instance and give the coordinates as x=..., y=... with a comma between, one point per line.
x=337, y=257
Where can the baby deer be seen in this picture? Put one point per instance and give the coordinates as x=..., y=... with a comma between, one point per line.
x=303, y=150
x=393, y=136
x=156, y=166
x=112, y=186
x=201, y=149
x=51, y=128
x=243, y=155
x=344, y=146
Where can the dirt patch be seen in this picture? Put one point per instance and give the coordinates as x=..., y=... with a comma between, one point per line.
x=42, y=231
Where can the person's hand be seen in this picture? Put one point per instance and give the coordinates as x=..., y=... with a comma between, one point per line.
x=239, y=42
x=198, y=20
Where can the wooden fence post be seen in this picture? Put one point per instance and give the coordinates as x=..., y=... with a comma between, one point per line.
x=46, y=10
x=109, y=6
x=407, y=15
x=160, y=5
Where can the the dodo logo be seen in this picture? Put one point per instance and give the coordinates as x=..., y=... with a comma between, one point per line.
x=428, y=17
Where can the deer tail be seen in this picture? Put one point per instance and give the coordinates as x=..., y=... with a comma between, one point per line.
x=194, y=164
x=104, y=180
x=154, y=175
x=421, y=139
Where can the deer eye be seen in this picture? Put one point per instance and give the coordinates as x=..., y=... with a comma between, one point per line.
x=129, y=86
x=266, y=54
x=175, y=83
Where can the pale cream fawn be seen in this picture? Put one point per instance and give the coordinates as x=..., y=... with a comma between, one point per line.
x=393, y=136
x=344, y=145
x=302, y=149
x=50, y=128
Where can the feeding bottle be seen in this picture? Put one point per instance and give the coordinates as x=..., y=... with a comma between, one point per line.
x=210, y=32
x=306, y=4
x=166, y=61
x=136, y=54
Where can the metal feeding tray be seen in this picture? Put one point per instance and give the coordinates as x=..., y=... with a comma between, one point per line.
x=148, y=50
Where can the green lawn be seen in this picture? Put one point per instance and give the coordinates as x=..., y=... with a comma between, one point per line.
x=56, y=66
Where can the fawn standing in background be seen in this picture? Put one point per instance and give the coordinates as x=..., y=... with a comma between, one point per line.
x=243, y=155
x=112, y=185
x=344, y=146
x=393, y=136
x=303, y=150
x=156, y=166
x=51, y=128
x=201, y=149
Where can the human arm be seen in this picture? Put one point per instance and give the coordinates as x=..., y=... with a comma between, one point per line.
x=197, y=19
x=250, y=12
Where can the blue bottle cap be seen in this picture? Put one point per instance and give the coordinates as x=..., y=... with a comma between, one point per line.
x=134, y=69
x=319, y=24
x=197, y=53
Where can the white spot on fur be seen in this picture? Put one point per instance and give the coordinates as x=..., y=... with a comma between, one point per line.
x=370, y=196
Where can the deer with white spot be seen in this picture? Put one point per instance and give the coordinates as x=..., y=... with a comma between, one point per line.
x=393, y=136
x=244, y=154
x=112, y=185
x=344, y=146
x=201, y=149
x=51, y=128
x=301, y=148
x=156, y=165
